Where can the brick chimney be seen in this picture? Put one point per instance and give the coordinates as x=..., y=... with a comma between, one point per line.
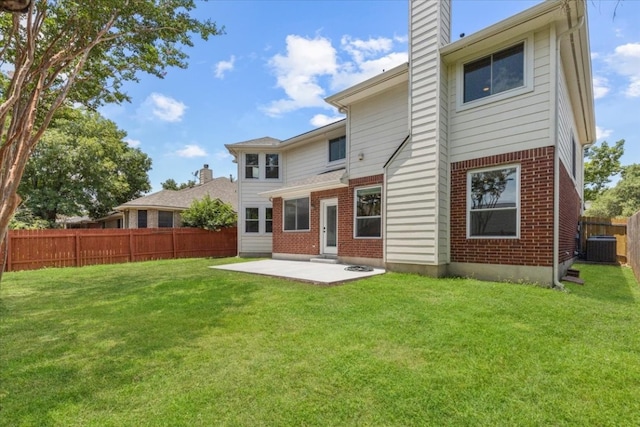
x=205, y=174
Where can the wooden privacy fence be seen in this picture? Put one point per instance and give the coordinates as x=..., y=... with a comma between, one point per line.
x=616, y=227
x=633, y=236
x=34, y=249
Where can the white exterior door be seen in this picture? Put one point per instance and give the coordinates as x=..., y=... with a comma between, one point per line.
x=329, y=226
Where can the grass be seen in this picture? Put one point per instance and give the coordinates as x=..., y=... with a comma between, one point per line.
x=173, y=343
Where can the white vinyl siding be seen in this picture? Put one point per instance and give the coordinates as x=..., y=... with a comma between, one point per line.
x=417, y=176
x=506, y=125
x=377, y=127
x=307, y=160
x=567, y=138
x=249, y=197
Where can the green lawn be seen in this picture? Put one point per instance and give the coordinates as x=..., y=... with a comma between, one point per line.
x=173, y=343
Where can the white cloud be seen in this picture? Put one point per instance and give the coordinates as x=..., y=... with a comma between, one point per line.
x=600, y=87
x=320, y=120
x=223, y=155
x=192, y=151
x=133, y=143
x=164, y=107
x=223, y=66
x=298, y=73
x=313, y=65
x=602, y=133
x=625, y=61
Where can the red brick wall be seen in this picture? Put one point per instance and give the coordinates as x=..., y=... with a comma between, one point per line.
x=569, y=216
x=308, y=242
x=535, y=245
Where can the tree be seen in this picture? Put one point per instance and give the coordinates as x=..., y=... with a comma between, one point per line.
x=171, y=184
x=69, y=52
x=602, y=163
x=210, y=214
x=621, y=200
x=82, y=166
x=25, y=220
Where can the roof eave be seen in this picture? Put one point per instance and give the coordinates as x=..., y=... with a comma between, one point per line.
x=370, y=87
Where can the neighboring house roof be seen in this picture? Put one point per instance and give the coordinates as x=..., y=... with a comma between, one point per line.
x=324, y=181
x=217, y=188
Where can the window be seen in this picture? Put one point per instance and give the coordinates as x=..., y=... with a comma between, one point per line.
x=165, y=219
x=251, y=220
x=142, y=219
x=368, y=212
x=495, y=73
x=337, y=149
x=268, y=221
x=272, y=166
x=251, y=166
x=493, y=202
x=574, y=160
x=296, y=214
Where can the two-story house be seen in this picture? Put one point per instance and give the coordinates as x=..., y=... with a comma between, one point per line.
x=465, y=161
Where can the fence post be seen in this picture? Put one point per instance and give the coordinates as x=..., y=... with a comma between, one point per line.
x=131, y=255
x=77, y=239
x=174, y=243
x=8, y=249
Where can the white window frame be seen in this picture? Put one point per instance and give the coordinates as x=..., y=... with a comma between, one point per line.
x=262, y=220
x=338, y=161
x=355, y=212
x=296, y=230
x=528, y=81
x=244, y=167
x=266, y=220
x=266, y=166
x=517, y=208
x=244, y=230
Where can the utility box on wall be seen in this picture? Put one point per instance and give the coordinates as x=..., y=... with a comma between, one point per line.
x=601, y=249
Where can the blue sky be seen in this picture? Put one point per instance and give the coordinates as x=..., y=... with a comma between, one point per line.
x=268, y=75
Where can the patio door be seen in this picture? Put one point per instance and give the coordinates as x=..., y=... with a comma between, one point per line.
x=329, y=226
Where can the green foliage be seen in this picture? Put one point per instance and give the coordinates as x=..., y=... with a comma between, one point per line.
x=171, y=184
x=602, y=162
x=210, y=214
x=25, y=220
x=82, y=165
x=621, y=200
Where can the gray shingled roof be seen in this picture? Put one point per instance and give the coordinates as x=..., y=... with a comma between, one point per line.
x=265, y=140
x=218, y=188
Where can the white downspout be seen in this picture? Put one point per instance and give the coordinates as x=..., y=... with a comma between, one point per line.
x=556, y=159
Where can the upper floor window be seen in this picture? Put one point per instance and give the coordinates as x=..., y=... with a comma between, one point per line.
x=337, y=149
x=368, y=212
x=493, y=203
x=496, y=73
x=296, y=214
x=272, y=169
x=142, y=219
x=165, y=219
x=251, y=166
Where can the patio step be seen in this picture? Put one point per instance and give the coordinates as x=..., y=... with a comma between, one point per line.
x=325, y=260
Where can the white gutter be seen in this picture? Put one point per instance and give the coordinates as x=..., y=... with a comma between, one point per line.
x=556, y=160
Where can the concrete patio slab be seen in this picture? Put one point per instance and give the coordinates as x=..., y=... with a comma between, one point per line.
x=319, y=273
